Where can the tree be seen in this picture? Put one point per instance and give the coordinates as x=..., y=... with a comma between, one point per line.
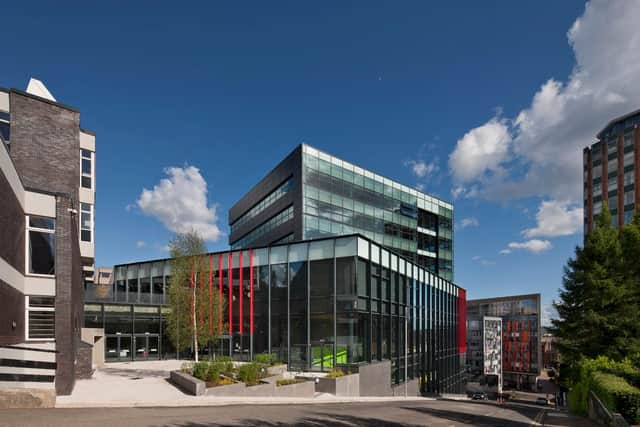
x=598, y=307
x=193, y=300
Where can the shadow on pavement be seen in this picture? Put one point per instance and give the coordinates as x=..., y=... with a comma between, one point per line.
x=144, y=373
x=332, y=420
x=471, y=419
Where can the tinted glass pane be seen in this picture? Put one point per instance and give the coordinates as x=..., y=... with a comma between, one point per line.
x=298, y=310
x=85, y=235
x=42, y=247
x=42, y=222
x=86, y=166
x=279, y=311
x=86, y=182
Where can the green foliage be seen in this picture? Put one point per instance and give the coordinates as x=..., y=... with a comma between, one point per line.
x=200, y=370
x=265, y=358
x=335, y=373
x=188, y=292
x=599, y=306
x=609, y=379
x=617, y=395
x=187, y=368
x=249, y=373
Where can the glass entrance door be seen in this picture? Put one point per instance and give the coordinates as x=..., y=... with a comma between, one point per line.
x=117, y=348
x=146, y=347
x=321, y=356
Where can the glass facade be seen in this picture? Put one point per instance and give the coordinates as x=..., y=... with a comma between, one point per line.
x=340, y=198
x=341, y=301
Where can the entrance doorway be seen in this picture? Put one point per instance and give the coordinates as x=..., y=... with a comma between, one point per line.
x=118, y=348
x=146, y=347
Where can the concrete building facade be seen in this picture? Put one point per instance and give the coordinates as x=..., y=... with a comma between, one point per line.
x=47, y=188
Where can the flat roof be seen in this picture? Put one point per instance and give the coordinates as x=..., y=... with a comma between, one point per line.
x=295, y=243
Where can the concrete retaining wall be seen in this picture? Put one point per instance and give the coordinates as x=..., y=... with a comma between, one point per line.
x=187, y=383
x=375, y=379
x=413, y=388
x=305, y=390
x=600, y=414
x=348, y=385
x=27, y=398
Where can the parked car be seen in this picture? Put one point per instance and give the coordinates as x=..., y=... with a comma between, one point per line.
x=479, y=396
x=543, y=401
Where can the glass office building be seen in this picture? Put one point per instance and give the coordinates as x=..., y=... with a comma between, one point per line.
x=339, y=301
x=312, y=194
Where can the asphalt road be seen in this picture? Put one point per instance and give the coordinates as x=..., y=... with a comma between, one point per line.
x=391, y=414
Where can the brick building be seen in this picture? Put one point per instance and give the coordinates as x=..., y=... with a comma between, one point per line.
x=47, y=187
x=611, y=171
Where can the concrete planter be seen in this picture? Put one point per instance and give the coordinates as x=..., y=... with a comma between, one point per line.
x=235, y=389
x=305, y=390
x=267, y=388
x=345, y=386
x=187, y=383
x=277, y=369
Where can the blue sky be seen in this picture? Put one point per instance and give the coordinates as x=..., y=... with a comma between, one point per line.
x=232, y=88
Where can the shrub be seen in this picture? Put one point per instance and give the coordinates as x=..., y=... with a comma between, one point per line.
x=249, y=373
x=617, y=395
x=214, y=371
x=200, y=370
x=187, y=368
x=335, y=373
x=265, y=358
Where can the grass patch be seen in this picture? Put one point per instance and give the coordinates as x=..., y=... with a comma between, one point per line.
x=336, y=373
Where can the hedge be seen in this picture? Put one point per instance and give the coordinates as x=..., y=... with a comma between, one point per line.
x=617, y=395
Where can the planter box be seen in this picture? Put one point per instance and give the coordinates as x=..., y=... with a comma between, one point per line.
x=345, y=386
x=266, y=389
x=187, y=383
x=304, y=389
x=277, y=370
x=235, y=389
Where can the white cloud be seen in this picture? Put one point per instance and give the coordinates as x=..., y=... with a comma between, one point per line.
x=421, y=169
x=538, y=152
x=534, y=246
x=140, y=244
x=180, y=203
x=556, y=218
x=480, y=150
x=548, y=313
x=468, y=222
x=482, y=261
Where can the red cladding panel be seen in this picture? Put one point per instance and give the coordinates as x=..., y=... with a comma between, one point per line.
x=240, y=292
x=230, y=278
x=462, y=321
x=251, y=291
x=210, y=294
x=220, y=293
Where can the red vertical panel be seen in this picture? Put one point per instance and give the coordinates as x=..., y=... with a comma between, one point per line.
x=251, y=291
x=240, y=292
x=201, y=305
x=210, y=294
x=230, y=278
x=192, y=306
x=462, y=321
x=220, y=293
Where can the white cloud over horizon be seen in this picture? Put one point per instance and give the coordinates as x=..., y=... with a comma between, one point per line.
x=468, y=222
x=180, y=203
x=535, y=246
x=538, y=151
